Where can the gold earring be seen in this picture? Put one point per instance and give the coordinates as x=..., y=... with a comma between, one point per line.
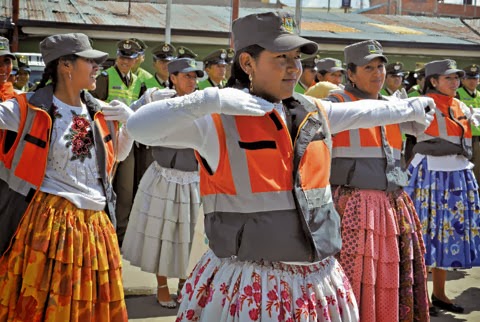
x=250, y=78
x=70, y=75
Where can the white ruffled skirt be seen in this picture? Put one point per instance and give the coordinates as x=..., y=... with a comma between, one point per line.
x=162, y=222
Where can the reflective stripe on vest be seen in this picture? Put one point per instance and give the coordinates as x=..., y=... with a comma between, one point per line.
x=366, y=143
x=7, y=156
x=450, y=122
x=30, y=156
x=117, y=90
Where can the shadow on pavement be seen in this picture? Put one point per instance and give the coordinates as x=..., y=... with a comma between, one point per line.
x=142, y=307
x=453, y=275
x=469, y=300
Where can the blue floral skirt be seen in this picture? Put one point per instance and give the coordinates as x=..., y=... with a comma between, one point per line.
x=448, y=205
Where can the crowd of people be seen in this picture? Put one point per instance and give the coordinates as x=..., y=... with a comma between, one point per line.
x=329, y=190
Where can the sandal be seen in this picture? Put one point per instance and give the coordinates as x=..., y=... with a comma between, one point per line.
x=167, y=304
x=179, y=289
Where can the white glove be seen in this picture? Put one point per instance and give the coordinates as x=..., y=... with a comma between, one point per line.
x=157, y=94
x=236, y=102
x=424, y=108
x=117, y=111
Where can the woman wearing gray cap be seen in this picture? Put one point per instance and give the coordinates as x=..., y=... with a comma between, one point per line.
x=63, y=261
x=442, y=184
x=6, y=67
x=264, y=155
x=162, y=221
x=382, y=251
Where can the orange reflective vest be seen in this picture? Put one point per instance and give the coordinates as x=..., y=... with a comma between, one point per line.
x=6, y=92
x=450, y=131
x=367, y=158
x=27, y=157
x=270, y=198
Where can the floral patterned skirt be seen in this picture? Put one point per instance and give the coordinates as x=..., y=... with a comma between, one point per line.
x=382, y=254
x=63, y=265
x=231, y=290
x=448, y=205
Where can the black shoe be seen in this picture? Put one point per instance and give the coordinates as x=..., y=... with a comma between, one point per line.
x=446, y=306
x=433, y=311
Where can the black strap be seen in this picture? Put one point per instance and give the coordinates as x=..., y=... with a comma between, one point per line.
x=107, y=138
x=257, y=145
x=30, y=195
x=275, y=120
x=36, y=141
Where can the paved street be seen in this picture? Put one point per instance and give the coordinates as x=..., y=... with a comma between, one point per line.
x=140, y=288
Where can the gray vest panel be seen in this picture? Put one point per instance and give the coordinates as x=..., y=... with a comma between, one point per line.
x=180, y=159
x=366, y=173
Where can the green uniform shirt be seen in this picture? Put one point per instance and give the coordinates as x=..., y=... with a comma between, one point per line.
x=143, y=75
x=299, y=88
x=209, y=83
x=153, y=82
x=470, y=100
x=118, y=90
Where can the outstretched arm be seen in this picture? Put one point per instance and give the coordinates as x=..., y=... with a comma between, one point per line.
x=164, y=122
x=9, y=115
x=370, y=113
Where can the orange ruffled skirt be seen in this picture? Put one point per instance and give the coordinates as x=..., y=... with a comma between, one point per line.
x=64, y=264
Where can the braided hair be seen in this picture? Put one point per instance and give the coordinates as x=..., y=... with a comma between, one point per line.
x=50, y=71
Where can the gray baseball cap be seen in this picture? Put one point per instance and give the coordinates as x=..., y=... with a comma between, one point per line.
x=330, y=65
x=5, y=48
x=361, y=53
x=443, y=67
x=184, y=65
x=275, y=32
x=56, y=46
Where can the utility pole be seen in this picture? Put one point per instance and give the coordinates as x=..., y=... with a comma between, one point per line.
x=168, y=27
x=298, y=14
x=15, y=14
x=234, y=16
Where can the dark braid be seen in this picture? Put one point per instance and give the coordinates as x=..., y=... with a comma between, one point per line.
x=170, y=83
x=428, y=86
x=50, y=71
x=238, y=77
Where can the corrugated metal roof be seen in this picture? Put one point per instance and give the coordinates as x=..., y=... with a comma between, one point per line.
x=192, y=19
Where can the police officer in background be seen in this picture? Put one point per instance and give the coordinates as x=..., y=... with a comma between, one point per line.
x=419, y=77
x=394, y=80
x=330, y=70
x=184, y=52
x=215, y=65
x=118, y=82
x=23, y=83
x=309, y=66
x=469, y=94
x=162, y=55
x=141, y=73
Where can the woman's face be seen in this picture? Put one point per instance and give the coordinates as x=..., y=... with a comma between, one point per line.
x=6, y=66
x=335, y=77
x=447, y=84
x=274, y=74
x=185, y=83
x=84, y=73
x=369, y=78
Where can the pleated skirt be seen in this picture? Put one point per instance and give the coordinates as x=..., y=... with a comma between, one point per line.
x=382, y=254
x=162, y=222
x=230, y=290
x=63, y=265
x=448, y=205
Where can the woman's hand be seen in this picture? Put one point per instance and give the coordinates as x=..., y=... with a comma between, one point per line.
x=237, y=102
x=117, y=111
x=424, y=108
